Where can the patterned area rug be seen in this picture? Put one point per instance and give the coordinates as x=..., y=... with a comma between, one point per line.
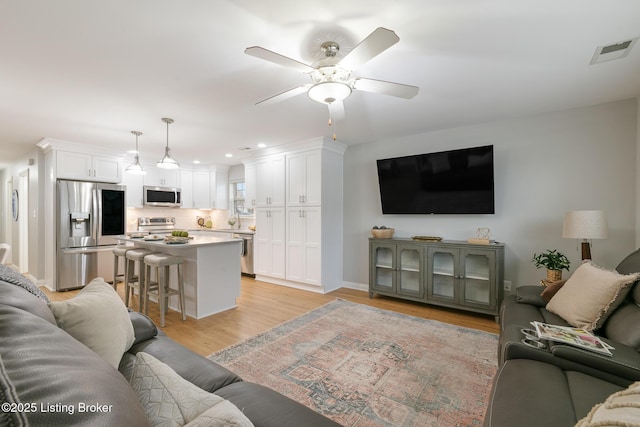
x=362, y=366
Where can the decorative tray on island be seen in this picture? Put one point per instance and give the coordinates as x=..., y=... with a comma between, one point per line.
x=428, y=238
x=176, y=240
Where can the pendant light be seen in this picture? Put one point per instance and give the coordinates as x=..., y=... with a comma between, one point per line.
x=167, y=161
x=136, y=168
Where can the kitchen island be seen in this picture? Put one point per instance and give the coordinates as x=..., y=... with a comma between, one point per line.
x=211, y=271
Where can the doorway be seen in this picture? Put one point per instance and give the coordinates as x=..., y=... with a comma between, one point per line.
x=23, y=221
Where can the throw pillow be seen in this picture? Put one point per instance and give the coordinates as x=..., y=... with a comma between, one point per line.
x=551, y=289
x=98, y=318
x=620, y=409
x=590, y=295
x=170, y=400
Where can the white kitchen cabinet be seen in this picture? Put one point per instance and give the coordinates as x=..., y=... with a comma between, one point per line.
x=250, y=182
x=310, y=174
x=161, y=177
x=219, y=187
x=196, y=189
x=269, y=242
x=88, y=167
x=270, y=177
x=186, y=188
x=304, y=178
x=304, y=240
x=201, y=189
x=134, y=184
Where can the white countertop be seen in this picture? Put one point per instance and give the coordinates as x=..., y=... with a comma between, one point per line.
x=195, y=241
x=223, y=230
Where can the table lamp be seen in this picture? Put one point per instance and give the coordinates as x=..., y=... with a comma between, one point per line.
x=585, y=225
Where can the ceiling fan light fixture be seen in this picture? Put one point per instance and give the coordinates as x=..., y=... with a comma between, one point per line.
x=168, y=162
x=329, y=92
x=136, y=168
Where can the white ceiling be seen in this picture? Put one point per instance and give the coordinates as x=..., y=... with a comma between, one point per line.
x=91, y=71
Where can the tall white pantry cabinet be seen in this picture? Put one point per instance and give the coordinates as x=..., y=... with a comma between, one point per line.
x=298, y=192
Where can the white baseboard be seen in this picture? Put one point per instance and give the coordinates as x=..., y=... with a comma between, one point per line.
x=356, y=286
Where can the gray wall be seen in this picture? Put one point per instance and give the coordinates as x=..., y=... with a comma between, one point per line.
x=544, y=166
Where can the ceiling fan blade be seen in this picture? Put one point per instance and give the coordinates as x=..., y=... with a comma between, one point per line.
x=387, y=88
x=336, y=110
x=284, y=95
x=276, y=58
x=375, y=43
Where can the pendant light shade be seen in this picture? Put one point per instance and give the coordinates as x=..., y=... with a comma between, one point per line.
x=167, y=161
x=136, y=168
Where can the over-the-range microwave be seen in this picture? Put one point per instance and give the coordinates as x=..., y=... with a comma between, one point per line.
x=161, y=196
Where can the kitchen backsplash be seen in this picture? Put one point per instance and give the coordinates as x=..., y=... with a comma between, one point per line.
x=185, y=218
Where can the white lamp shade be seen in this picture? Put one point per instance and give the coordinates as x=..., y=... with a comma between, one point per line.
x=329, y=92
x=585, y=225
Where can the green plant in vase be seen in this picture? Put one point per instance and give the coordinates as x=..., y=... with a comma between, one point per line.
x=553, y=261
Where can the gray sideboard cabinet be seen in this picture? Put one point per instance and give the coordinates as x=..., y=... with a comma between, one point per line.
x=452, y=274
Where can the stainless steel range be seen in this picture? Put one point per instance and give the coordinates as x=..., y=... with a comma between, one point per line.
x=157, y=224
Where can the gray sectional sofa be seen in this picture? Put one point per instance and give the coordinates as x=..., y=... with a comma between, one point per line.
x=560, y=384
x=48, y=378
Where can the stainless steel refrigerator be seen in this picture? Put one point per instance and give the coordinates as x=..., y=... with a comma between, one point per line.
x=90, y=215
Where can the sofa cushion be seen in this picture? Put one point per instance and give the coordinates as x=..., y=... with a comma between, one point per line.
x=590, y=295
x=530, y=294
x=9, y=275
x=196, y=369
x=18, y=297
x=98, y=318
x=143, y=327
x=622, y=325
x=170, y=400
x=42, y=364
x=268, y=408
x=620, y=409
x=530, y=393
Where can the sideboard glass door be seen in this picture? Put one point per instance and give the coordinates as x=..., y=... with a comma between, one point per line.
x=442, y=280
x=478, y=281
x=409, y=271
x=383, y=265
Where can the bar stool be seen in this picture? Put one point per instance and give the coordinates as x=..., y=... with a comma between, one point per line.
x=119, y=252
x=133, y=257
x=161, y=289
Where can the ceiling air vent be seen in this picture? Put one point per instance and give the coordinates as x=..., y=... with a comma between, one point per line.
x=612, y=51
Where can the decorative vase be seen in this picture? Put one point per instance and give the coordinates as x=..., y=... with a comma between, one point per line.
x=554, y=275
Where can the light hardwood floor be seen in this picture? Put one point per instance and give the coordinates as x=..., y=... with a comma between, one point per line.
x=262, y=306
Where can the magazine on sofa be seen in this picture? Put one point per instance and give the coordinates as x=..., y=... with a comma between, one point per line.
x=572, y=336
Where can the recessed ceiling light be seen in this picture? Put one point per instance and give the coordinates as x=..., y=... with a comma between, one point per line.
x=228, y=155
x=196, y=162
x=262, y=145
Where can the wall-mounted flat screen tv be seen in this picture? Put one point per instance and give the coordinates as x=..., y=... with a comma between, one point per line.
x=447, y=182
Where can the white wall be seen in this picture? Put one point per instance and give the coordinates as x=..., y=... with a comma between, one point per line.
x=32, y=163
x=544, y=165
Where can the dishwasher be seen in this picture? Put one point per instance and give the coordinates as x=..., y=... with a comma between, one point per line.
x=247, y=253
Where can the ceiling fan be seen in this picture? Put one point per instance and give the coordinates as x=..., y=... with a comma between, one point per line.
x=331, y=80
